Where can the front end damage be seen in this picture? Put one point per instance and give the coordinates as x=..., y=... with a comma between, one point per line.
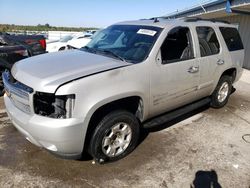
x=45, y=119
x=51, y=105
x=44, y=104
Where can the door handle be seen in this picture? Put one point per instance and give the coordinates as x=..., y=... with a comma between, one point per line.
x=193, y=69
x=220, y=62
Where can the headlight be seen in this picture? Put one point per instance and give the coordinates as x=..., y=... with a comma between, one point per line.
x=54, y=106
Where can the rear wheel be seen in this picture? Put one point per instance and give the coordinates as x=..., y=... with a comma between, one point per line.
x=222, y=92
x=114, y=137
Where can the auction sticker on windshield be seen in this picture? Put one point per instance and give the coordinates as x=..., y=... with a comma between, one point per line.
x=147, y=32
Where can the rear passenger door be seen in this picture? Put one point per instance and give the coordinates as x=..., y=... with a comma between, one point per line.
x=211, y=59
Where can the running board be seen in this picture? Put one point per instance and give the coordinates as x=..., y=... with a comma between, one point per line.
x=172, y=115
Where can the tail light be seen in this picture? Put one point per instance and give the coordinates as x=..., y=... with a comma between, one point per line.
x=43, y=43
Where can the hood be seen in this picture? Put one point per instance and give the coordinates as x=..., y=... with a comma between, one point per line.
x=46, y=72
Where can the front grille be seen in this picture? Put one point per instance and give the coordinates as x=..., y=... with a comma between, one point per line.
x=18, y=93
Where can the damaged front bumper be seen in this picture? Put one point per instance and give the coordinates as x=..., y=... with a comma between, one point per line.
x=64, y=137
x=57, y=131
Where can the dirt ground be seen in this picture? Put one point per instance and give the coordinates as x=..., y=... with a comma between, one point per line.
x=209, y=148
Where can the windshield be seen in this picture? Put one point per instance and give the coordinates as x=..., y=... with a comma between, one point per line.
x=130, y=43
x=66, y=38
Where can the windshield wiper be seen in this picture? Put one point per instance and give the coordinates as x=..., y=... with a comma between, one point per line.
x=91, y=50
x=113, y=54
x=94, y=50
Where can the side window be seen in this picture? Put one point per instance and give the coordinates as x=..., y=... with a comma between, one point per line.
x=177, y=46
x=232, y=38
x=208, y=41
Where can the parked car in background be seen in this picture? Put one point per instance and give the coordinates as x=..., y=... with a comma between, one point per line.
x=93, y=31
x=59, y=45
x=16, y=47
x=81, y=40
x=9, y=54
x=35, y=44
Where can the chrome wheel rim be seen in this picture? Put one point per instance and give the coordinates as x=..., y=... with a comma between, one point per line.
x=117, y=139
x=223, y=92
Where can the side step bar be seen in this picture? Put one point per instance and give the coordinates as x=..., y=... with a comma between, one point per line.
x=170, y=116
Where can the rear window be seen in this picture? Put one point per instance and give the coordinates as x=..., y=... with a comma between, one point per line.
x=232, y=38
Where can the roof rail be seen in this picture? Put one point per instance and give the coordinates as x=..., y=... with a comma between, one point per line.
x=157, y=19
x=196, y=19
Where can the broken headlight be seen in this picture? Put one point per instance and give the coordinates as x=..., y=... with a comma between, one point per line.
x=54, y=106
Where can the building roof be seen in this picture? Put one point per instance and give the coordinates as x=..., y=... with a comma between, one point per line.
x=212, y=9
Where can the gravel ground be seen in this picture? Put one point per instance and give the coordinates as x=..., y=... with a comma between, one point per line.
x=211, y=147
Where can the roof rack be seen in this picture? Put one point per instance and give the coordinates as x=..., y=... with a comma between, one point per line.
x=196, y=19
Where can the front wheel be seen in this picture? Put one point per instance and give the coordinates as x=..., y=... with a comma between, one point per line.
x=114, y=137
x=222, y=92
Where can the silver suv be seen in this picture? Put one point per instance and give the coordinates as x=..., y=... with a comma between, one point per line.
x=98, y=98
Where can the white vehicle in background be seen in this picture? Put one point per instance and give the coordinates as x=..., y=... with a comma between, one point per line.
x=59, y=45
x=93, y=31
x=82, y=40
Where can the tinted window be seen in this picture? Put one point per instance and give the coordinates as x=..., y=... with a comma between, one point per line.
x=177, y=46
x=209, y=44
x=232, y=38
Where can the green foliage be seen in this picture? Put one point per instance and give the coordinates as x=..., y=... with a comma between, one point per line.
x=39, y=27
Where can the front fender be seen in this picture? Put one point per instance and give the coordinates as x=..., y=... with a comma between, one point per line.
x=108, y=100
x=94, y=91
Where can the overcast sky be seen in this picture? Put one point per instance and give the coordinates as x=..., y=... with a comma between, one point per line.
x=85, y=13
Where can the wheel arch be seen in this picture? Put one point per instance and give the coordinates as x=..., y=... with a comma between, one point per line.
x=132, y=103
x=230, y=72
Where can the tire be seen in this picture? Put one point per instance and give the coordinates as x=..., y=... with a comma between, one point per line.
x=218, y=98
x=108, y=143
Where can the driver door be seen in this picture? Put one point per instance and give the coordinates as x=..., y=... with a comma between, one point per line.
x=175, y=76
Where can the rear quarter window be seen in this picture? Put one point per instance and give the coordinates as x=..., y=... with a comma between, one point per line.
x=232, y=38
